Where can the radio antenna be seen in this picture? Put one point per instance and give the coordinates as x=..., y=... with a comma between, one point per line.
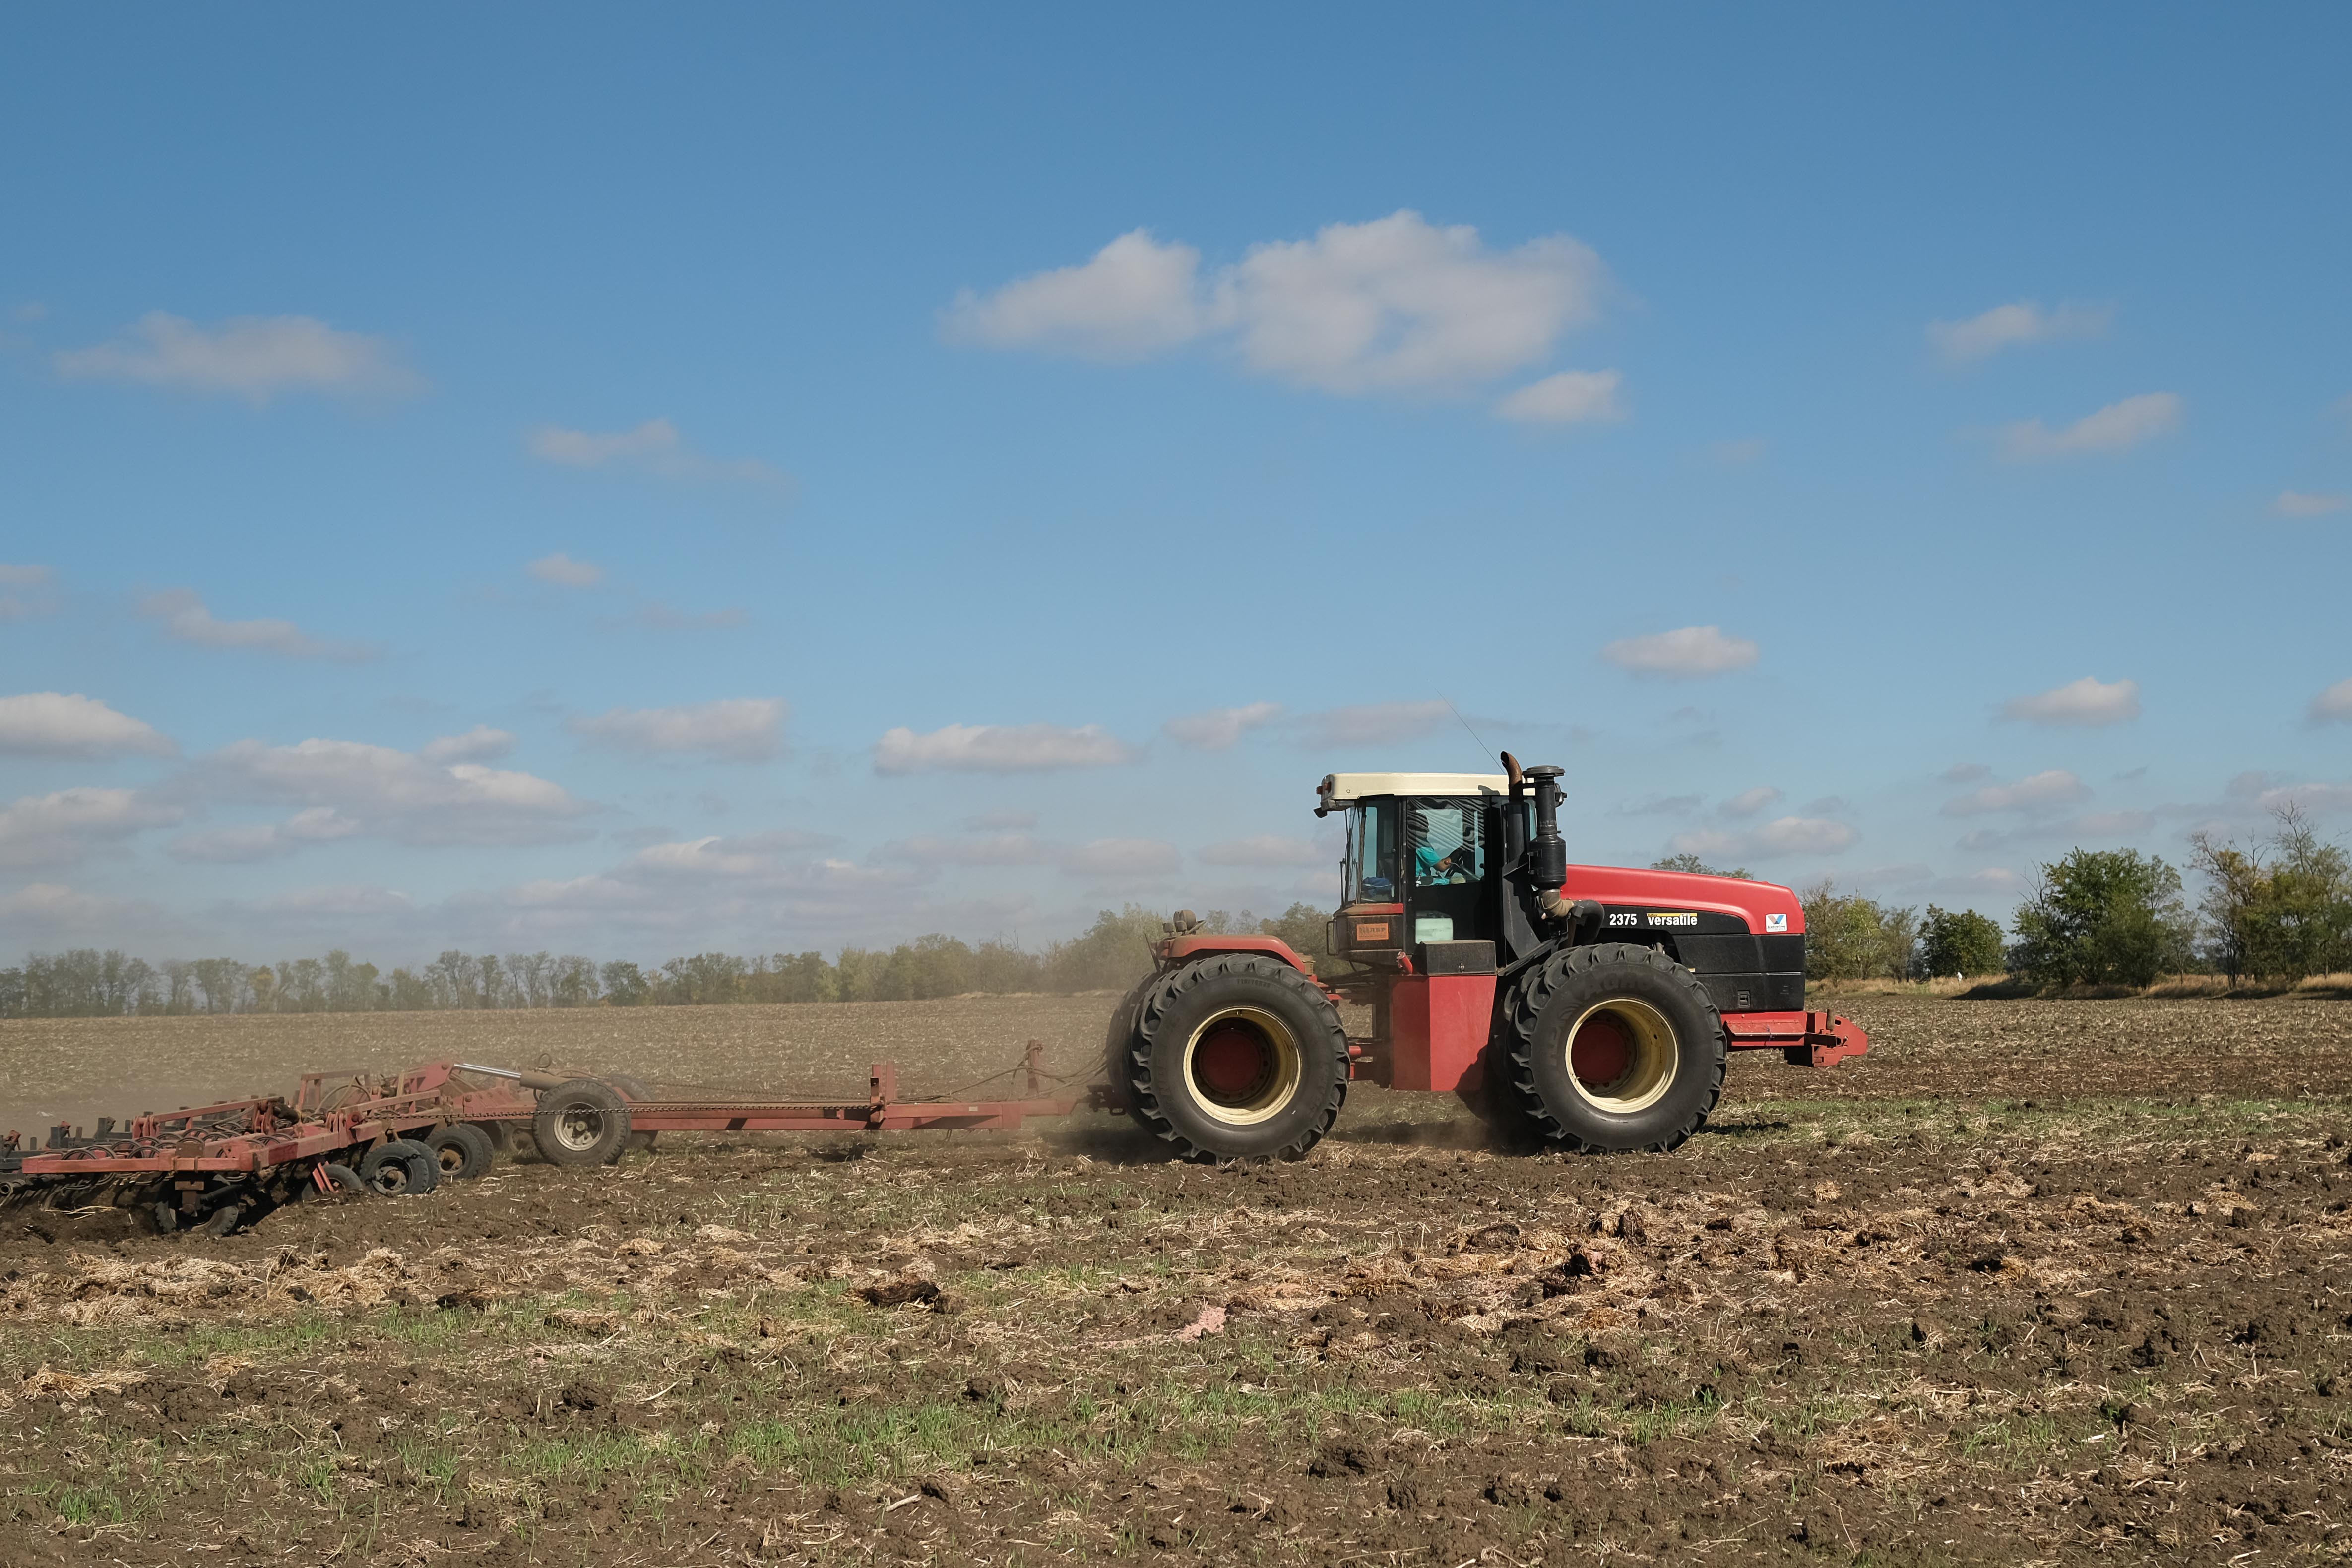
x=1484, y=750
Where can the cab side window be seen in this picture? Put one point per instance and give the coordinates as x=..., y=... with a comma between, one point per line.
x=1449, y=843
x=1372, y=853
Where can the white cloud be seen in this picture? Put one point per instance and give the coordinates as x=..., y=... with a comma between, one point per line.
x=59, y=829
x=653, y=448
x=54, y=724
x=1003, y=820
x=2041, y=792
x=999, y=848
x=1265, y=849
x=738, y=730
x=186, y=620
x=999, y=749
x=479, y=744
x=1966, y=773
x=2310, y=797
x=2310, y=503
x=253, y=357
x=564, y=572
x=1392, y=305
x=1135, y=298
x=1784, y=836
x=2118, y=427
x=1570, y=397
x=2087, y=703
x=2008, y=326
x=1679, y=654
x=1220, y=728
x=395, y=794
x=1375, y=723
x=1107, y=859
x=266, y=841
x=17, y=606
x=1748, y=802
x=1991, y=881
x=2333, y=705
x=654, y=615
x=48, y=907
x=1661, y=806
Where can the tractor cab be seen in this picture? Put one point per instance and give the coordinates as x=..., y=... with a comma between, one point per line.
x=1424, y=876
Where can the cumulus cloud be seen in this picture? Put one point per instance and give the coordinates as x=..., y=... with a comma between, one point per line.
x=397, y=795
x=1115, y=859
x=252, y=357
x=1748, y=802
x=2309, y=797
x=1219, y=729
x=45, y=908
x=56, y=724
x=1689, y=652
x=2011, y=326
x=999, y=749
x=1375, y=723
x=184, y=619
x=479, y=744
x=61, y=829
x=24, y=593
x=1002, y=820
x=1783, y=837
x=1393, y=304
x=564, y=572
x=735, y=730
x=2310, y=503
x=2042, y=792
x=1570, y=397
x=265, y=841
x=2333, y=705
x=2118, y=427
x=1265, y=849
x=1966, y=773
x=1661, y=806
x=653, y=448
x=2087, y=703
x=995, y=849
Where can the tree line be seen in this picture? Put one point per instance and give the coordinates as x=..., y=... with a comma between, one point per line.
x=1109, y=955
x=2278, y=911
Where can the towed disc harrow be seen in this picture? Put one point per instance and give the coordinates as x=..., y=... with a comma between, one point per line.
x=220, y=1168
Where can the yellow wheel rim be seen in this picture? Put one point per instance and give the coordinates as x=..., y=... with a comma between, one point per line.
x=1621, y=1056
x=1242, y=1065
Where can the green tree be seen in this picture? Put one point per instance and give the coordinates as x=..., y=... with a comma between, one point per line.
x=1850, y=937
x=2102, y=917
x=2281, y=910
x=1958, y=942
x=624, y=984
x=1685, y=861
x=1111, y=956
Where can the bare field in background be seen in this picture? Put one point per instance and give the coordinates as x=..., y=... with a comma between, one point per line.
x=2060, y=1282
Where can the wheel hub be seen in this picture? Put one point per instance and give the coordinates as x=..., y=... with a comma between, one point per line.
x=1622, y=1055
x=1242, y=1065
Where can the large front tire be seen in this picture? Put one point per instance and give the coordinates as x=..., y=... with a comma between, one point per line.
x=1614, y=1048
x=1237, y=1057
x=581, y=1122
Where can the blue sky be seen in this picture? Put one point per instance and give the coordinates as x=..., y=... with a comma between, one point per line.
x=631, y=482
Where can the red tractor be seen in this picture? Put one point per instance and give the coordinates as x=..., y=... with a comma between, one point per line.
x=1580, y=1007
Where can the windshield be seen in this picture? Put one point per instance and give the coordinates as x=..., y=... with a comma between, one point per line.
x=1449, y=842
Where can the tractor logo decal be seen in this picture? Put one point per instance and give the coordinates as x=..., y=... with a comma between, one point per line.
x=1372, y=930
x=1776, y=922
x=1682, y=918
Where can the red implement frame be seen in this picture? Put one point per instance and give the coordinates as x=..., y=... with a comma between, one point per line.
x=1807, y=1039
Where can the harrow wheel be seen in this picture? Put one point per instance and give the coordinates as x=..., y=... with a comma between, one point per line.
x=582, y=1123
x=1611, y=1048
x=399, y=1168
x=1236, y=1057
x=463, y=1150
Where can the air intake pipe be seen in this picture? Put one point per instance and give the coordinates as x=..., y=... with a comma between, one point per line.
x=1548, y=859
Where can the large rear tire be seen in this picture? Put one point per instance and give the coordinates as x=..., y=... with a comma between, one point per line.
x=1237, y=1057
x=463, y=1150
x=401, y=1168
x=1613, y=1048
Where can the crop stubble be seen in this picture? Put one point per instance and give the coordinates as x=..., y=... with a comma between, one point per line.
x=2048, y=1281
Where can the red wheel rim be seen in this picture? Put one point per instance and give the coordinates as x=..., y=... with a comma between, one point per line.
x=1601, y=1053
x=1232, y=1064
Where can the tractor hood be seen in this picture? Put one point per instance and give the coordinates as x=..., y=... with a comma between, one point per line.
x=1764, y=906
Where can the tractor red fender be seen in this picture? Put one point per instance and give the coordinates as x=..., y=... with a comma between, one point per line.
x=1184, y=949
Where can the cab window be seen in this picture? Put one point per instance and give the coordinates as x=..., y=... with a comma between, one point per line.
x=1449, y=842
x=1372, y=853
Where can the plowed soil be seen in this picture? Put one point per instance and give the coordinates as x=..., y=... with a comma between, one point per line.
x=2051, y=1281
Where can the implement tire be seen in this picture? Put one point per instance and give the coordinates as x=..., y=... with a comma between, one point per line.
x=463, y=1150
x=401, y=1168
x=582, y=1123
x=1237, y=1057
x=1613, y=1048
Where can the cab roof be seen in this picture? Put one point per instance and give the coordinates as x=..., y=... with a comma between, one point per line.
x=1339, y=788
